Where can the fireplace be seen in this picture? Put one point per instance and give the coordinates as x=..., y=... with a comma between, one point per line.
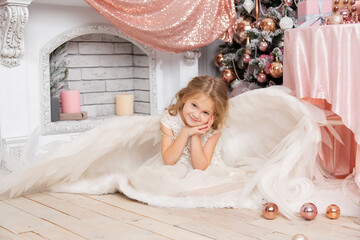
x=32, y=29
x=101, y=62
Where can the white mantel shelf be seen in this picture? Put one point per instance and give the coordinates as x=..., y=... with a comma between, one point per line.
x=73, y=3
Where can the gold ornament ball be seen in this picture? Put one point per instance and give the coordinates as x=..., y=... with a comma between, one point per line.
x=268, y=24
x=228, y=75
x=333, y=211
x=276, y=69
x=243, y=26
x=334, y=19
x=270, y=210
x=218, y=59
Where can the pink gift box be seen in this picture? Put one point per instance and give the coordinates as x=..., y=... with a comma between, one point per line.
x=338, y=149
x=310, y=14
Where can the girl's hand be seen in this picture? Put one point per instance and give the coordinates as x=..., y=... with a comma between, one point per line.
x=199, y=129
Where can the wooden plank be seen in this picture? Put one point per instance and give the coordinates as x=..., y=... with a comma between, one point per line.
x=30, y=236
x=62, y=206
x=58, y=233
x=143, y=210
x=161, y=214
x=115, y=220
x=109, y=207
x=124, y=231
x=5, y=234
x=228, y=224
x=101, y=208
x=18, y=221
x=169, y=231
x=62, y=220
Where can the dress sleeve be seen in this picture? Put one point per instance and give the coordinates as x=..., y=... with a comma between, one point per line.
x=166, y=120
x=213, y=132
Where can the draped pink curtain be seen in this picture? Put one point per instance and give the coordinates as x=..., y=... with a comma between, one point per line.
x=171, y=25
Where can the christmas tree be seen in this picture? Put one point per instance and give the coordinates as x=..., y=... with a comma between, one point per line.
x=254, y=58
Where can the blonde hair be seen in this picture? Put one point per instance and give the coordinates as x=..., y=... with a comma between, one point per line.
x=214, y=88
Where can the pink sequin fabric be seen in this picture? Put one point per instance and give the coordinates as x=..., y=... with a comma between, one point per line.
x=171, y=25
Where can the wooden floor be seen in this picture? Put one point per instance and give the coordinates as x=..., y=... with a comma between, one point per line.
x=76, y=216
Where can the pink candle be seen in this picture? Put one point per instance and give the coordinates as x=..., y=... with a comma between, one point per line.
x=70, y=101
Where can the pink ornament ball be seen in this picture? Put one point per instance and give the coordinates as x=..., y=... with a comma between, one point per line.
x=263, y=46
x=288, y=2
x=246, y=58
x=299, y=237
x=308, y=211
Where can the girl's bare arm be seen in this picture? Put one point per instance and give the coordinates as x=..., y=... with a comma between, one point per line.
x=171, y=149
x=201, y=155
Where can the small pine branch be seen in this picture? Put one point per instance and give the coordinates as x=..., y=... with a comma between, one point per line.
x=58, y=70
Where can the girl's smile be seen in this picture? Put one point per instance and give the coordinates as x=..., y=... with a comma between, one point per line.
x=197, y=110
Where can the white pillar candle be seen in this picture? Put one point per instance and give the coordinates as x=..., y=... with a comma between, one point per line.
x=124, y=104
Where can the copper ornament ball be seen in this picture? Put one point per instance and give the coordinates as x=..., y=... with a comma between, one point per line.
x=218, y=59
x=276, y=69
x=268, y=24
x=333, y=211
x=261, y=77
x=228, y=75
x=270, y=210
x=308, y=211
x=256, y=24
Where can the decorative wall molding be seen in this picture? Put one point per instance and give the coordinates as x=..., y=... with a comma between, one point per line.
x=13, y=18
x=191, y=56
x=48, y=127
x=14, y=148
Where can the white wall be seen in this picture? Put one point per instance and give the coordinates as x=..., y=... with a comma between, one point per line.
x=20, y=107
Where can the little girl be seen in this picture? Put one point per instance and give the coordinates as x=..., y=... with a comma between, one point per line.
x=201, y=106
x=190, y=163
x=204, y=151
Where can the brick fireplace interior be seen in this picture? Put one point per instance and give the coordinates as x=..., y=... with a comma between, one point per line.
x=101, y=66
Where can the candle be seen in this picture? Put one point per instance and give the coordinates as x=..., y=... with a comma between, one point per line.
x=70, y=101
x=124, y=104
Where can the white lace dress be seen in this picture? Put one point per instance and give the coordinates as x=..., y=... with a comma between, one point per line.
x=181, y=179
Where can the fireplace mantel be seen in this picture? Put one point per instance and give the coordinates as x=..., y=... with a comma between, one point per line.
x=22, y=91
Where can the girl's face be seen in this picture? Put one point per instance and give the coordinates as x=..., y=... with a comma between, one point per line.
x=197, y=110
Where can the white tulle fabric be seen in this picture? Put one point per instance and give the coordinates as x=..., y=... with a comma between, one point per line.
x=267, y=152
